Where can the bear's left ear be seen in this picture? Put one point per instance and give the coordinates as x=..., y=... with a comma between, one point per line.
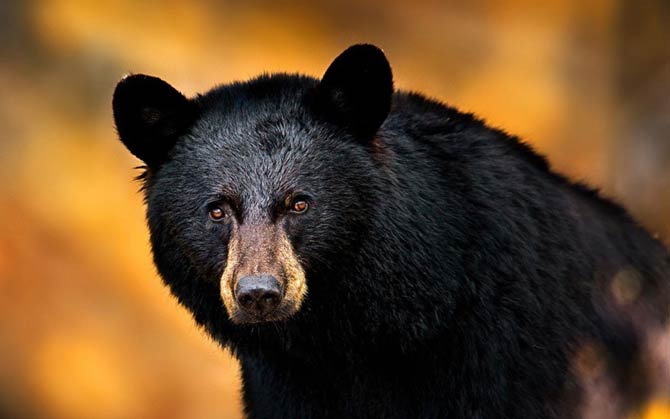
x=150, y=115
x=356, y=90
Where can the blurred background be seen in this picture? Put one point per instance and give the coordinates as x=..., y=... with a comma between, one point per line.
x=87, y=329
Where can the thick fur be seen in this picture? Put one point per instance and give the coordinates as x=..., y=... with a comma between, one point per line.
x=450, y=272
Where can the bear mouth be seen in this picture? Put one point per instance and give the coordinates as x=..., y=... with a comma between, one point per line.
x=285, y=311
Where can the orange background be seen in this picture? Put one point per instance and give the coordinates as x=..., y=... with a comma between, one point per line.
x=88, y=330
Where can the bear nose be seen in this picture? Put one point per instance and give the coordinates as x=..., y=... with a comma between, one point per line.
x=258, y=294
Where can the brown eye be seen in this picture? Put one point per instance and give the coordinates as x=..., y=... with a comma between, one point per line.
x=217, y=214
x=299, y=206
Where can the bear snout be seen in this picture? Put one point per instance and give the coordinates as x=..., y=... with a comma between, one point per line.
x=263, y=279
x=258, y=295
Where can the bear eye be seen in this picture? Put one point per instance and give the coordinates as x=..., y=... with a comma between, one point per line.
x=217, y=214
x=299, y=205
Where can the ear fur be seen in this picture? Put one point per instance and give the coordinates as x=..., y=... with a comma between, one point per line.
x=150, y=115
x=356, y=90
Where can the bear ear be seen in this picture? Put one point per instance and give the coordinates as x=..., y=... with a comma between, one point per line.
x=150, y=115
x=355, y=92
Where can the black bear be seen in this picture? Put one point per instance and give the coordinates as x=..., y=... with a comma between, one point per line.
x=366, y=252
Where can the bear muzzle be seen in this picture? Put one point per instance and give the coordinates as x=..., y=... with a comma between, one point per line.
x=263, y=279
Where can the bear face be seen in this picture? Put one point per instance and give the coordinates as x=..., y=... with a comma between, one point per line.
x=256, y=187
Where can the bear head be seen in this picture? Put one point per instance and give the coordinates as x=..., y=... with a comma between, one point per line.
x=255, y=190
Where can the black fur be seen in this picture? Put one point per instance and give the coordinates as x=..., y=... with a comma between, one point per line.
x=450, y=273
x=356, y=90
x=150, y=115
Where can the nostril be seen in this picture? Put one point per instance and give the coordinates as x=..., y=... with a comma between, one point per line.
x=271, y=298
x=245, y=300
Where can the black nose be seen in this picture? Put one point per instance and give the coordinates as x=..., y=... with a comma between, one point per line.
x=258, y=294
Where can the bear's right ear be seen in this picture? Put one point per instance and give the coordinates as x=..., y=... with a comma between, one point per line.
x=356, y=90
x=150, y=115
